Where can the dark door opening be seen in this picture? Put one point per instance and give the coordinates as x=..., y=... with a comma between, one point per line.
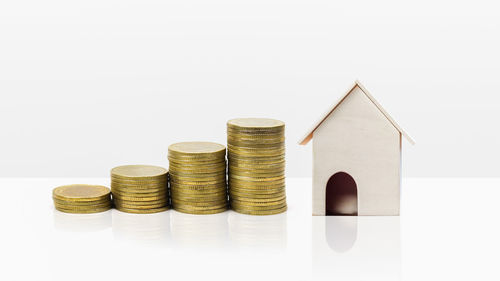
x=341, y=195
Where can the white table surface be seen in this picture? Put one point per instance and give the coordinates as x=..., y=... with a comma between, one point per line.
x=448, y=230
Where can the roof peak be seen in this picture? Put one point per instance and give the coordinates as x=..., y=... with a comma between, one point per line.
x=358, y=84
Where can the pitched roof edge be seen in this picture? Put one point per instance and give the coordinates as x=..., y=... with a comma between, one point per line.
x=307, y=137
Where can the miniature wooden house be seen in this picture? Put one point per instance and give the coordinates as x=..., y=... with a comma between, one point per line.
x=356, y=158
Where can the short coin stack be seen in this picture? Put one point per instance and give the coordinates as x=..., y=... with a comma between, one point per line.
x=140, y=189
x=198, y=177
x=82, y=198
x=256, y=173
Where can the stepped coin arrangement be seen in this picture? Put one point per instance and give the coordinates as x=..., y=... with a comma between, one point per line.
x=82, y=198
x=198, y=177
x=256, y=170
x=140, y=189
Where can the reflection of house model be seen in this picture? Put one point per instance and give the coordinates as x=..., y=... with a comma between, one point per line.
x=356, y=158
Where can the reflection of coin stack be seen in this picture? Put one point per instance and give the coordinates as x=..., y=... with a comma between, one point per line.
x=82, y=223
x=152, y=228
x=198, y=177
x=139, y=188
x=82, y=198
x=256, y=156
x=199, y=231
x=265, y=232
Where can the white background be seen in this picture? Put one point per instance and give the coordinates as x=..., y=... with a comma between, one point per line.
x=87, y=85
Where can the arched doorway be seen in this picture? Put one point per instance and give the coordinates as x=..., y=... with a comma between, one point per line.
x=341, y=196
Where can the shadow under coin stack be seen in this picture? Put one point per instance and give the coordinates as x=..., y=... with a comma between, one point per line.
x=256, y=172
x=198, y=177
x=82, y=198
x=140, y=189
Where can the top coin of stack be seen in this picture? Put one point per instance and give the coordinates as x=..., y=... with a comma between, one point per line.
x=140, y=188
x=82, y=198
x=256, y=173
x=198, y=177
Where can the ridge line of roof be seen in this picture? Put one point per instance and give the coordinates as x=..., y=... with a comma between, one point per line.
x=307, y=137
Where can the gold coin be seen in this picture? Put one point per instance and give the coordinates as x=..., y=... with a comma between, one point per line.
x=137, y=189
x=256, y=163
x=199, y=201
x=141, y=202
x=255, y=123
x=195, y=177
x=252, y=159
x=256, y=203
x=256, y=179
x=178, y=193
x=201, y=169
x=206, y=168
x=203, y=190
x=261, y=213
x=140, y=183
x=236, y=141
x=138, y=172
x=143, y=192
x=218, y=174
x=83, y=211
x=81, y=192
x=198, y=185
x=140, y=198
x=259, y=200
x=195, y=183
x=83, y=203
x=256, y=148
x=142, y=211
x=81, y=206
x=235, y=130
x=128, y=188
x=215, y=205
x=202, y=212
x=255, y=184
x=256, y=174
x=256, y=153
x=244, y=191
x=234, y=137
x=254, y=188
x=199, y=208
x=256, y=207
x=139, y=207
x=263, y=166
x=256, y=193
x=196, y=149
x=242, y=196
x=75, y=206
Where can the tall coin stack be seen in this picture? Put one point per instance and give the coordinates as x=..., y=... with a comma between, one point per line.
x=140, y=189
x=198, y=177
x=256, y=156
x=82, y=198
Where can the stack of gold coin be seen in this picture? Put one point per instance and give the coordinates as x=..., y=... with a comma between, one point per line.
x=198, y=177
x=140, y=189
x=82, y=198
x=256, y=172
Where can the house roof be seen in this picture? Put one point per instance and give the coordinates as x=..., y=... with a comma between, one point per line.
x=309, y=134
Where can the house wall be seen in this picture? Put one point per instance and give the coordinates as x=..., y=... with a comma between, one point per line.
x=356, y=138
